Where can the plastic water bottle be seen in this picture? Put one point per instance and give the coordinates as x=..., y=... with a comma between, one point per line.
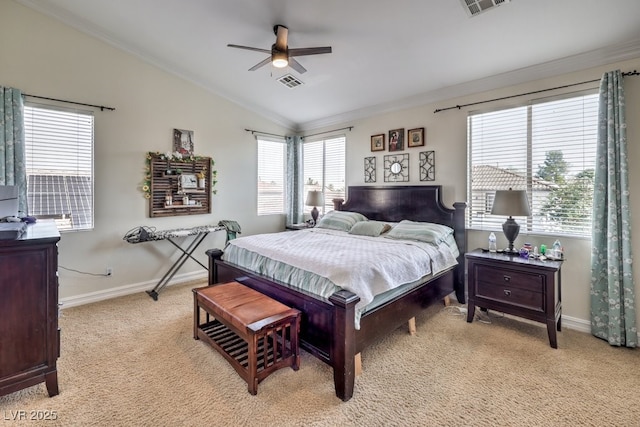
x=492, y=242
x=557, y=249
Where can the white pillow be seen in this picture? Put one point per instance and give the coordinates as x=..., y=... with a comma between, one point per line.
x=421, y=231
x=340, y=220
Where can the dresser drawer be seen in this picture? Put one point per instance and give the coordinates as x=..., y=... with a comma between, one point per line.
x=512, y=278
x=510, y=295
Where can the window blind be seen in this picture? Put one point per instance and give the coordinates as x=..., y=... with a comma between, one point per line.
x=547, y=148
x=59, y=164
x=271, y=176
x=324, y=170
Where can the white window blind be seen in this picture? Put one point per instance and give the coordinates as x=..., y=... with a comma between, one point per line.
x=59, y=163
x=547, y=148
x=324, y=170
x=271, y=176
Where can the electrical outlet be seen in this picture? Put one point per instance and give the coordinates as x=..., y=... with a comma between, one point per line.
x=109, y=271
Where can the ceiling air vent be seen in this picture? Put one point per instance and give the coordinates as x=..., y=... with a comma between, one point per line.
x=476, y=7
x=289, y=81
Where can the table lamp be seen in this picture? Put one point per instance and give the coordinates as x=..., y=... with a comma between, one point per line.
x=513, y=203
x=314, y=198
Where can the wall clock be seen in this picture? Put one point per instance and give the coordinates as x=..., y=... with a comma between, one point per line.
x=396, y=168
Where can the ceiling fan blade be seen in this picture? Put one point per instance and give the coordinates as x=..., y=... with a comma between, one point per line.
x=296, y=66
x=249, y=48
x=282, y=33
x=309, y=51
x=261, y=64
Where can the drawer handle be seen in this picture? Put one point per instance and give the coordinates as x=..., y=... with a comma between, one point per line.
x=507, y=292
x=506, y=278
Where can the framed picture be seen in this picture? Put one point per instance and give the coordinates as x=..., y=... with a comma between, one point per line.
x=183, y=142
x=396, y=140
x=415, y=137
x=188, y=180
x=377, y=142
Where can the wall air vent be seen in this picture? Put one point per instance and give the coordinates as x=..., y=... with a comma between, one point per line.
x=289, y=81
x=476, y=7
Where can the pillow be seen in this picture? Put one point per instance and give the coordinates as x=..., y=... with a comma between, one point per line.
x=369, y=228
x=340, y=220
x=420, y=231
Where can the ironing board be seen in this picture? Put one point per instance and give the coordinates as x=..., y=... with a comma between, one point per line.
x=148, y=234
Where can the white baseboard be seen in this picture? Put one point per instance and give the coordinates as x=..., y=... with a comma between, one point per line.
x=106, y=294
x=576, y=324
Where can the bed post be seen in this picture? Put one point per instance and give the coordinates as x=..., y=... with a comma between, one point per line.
x=213, y=254
x=343, y=345
x=461, y=241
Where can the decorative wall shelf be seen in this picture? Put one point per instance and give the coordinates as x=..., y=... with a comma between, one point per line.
x=163, y=184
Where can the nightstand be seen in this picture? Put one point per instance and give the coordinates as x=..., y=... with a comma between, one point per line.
x=301, y=226
x=522, y=287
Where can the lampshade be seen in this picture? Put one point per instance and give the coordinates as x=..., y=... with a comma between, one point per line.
x=279, y=59
x=511, y=203
x=314, y=198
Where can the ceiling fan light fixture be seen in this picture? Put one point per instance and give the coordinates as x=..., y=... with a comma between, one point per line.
x=280, y=60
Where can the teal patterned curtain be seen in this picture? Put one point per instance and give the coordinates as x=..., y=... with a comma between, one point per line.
x=294, y=180
x=613, y=311
x=12, y=163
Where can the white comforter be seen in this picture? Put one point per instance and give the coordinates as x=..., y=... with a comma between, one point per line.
x=366, y=266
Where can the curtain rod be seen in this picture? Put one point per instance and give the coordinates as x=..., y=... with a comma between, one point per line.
x=253, y=132
x=101, y=107
x=630, y=73
x=329, y=131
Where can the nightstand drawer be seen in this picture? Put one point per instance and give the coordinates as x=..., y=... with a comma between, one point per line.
x=510, y=295
x=511, y=278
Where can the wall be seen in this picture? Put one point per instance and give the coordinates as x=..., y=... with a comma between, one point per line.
x=43, y=57
x=446, y=134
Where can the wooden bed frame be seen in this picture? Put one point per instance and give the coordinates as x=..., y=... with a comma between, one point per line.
x=328, y=327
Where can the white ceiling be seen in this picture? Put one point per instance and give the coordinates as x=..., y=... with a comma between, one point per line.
x=386, y=54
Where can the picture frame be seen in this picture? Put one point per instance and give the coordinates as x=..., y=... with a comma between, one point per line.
x=396, y=139
x=415, y=137
x=188, y=181
x=377, y=142
x=183, y=142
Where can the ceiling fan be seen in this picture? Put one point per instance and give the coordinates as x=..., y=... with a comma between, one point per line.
x=281, y=55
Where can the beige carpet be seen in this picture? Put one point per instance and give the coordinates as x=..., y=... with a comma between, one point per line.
x=133, y=362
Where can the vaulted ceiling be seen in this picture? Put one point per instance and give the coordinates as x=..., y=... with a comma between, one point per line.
x=386, y=54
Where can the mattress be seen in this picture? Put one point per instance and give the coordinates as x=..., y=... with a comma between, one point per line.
x=322, y=261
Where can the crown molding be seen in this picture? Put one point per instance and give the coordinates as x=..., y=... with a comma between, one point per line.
x=595, y=58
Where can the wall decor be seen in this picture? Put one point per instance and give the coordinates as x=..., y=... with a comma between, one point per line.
x=370, y=169
x=173, y=187
x=415, y=137
x=427, y=164
x=396, y=168
x=396, y=140
x=183, y=142
x=377, y=142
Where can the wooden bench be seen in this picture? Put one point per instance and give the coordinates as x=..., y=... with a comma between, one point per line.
x=255, y=333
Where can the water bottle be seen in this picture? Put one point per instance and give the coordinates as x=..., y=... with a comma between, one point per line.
x=492, y=242
x=557, y=249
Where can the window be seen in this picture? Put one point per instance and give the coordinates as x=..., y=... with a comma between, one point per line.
x=59, y=163
x=324, y=170
x=547, y=148
x=271, y=176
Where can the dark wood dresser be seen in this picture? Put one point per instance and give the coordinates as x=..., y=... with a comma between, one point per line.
x=522, y=287
x=29, y=334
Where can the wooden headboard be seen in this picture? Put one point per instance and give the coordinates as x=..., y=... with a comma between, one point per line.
x=416, y=203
